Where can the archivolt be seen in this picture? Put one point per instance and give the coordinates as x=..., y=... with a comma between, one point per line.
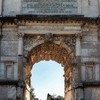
x=49, y=51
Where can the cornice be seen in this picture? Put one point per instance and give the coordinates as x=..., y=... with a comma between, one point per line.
x=22, y=20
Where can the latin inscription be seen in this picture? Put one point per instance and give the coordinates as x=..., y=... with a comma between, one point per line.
x=49, y=7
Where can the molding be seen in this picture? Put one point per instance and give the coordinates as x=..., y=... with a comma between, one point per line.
x=9, y=82
x=72, y=19
x=86, y=84
x=90, y=84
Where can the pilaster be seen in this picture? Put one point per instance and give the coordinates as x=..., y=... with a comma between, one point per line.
x=99, y=36
x=21, y=84
x=78, y=86
x=0, y=42
x=20, y=44
x=78, y=56
x=78, y=45
x=20, y=56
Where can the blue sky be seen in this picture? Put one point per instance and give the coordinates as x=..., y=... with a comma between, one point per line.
x=47, y=77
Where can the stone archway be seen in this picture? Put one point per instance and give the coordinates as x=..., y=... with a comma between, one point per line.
x=82, y=76
x=51, y=49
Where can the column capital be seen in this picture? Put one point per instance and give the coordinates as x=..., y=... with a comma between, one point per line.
x=20, y=35
x=78, y=35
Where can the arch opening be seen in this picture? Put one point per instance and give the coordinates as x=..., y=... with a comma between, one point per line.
x=50, y=51
x=47, y=77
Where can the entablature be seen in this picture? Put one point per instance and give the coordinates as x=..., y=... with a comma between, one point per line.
x=22, y=20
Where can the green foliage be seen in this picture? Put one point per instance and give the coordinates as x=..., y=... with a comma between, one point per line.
x=32, y=93
x=49, y=97
x=52, y=97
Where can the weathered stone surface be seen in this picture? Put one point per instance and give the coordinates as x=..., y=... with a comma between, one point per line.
x=46, y=41
x=89, y=52
x=93, y=52
x=0, y=7
x=92, y=93
x=11, y=8
x=83, y=73
x=87, y=8
x=97, y=72
x=49, y=7
x=54, y=29
x=90, y=59
x=7, y=92
x=9, y=48
x=8, y=58
x=15, y=71
x=79, y=94
x=2, y=71
x=89, y=45
x=9, y=36
x=90, y=38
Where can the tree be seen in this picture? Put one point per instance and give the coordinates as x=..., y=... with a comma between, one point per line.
x=54, y=97
x=49, y=96
x=32, y=93
x=60, y=98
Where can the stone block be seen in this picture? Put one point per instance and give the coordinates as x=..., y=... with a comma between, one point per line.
x=90, y=8
x=0, y=7
x=90, y=38
x=97, y=72
x=9, y=35
x=79, y=94
x=9, y=58
x=83, y=73
x=9, y=48
x=93, y=52
x=89, y=59
x=2, y=71
x=79, y=7
x=89, y=45
x=15, y=71
x=84, y=52
x=7, y=92
x=92, y=93
x=90, y=52
x=12, y=7
x=11, y=93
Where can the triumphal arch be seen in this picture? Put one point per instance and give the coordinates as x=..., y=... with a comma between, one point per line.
x=66, y=31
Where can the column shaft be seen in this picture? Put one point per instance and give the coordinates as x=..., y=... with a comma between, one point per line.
x=20, y=66
x=20, y=46
x=78, y=46
x=20, y=56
